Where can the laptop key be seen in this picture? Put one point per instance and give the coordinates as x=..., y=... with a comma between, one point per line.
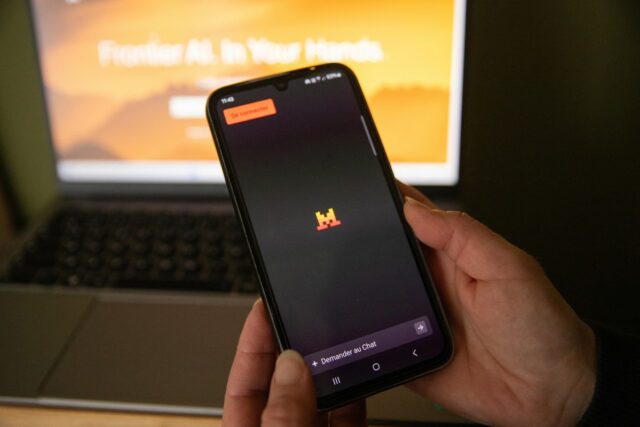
x=248, y=286
x=44, y=276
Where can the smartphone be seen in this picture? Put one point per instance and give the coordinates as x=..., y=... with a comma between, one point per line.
x=342, y=276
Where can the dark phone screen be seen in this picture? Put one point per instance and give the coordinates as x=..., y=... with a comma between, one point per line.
x=337, y=257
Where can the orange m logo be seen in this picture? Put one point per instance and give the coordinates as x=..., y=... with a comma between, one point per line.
x=327, y=220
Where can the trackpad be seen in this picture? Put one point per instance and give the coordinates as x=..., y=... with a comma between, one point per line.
x=151, y=353
x=34, y=328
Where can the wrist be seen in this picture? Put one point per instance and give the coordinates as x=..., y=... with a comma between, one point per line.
x=580, y=387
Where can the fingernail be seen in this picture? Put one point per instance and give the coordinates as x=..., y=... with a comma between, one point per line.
x=413, y=201
x=289, y=368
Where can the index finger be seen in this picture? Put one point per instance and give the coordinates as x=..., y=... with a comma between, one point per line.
x=250, y=375
x=409, y=191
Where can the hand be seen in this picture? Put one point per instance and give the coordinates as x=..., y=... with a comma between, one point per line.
x=522, y=356
x=287, y=398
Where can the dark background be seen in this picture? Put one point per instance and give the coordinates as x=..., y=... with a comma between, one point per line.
x=550, y=138
x=551, y=129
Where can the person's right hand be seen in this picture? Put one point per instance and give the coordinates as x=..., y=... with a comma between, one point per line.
x=522, y=356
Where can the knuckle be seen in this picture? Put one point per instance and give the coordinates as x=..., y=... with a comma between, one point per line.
x=464, y=217
x=465, y=221
x=529, y=261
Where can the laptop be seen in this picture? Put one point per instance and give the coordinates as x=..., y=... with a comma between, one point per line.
x=130, y=292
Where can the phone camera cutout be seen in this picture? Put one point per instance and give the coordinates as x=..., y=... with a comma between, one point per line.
x=282, y=85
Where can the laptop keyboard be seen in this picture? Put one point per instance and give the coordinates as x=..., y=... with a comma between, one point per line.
x=186, y=251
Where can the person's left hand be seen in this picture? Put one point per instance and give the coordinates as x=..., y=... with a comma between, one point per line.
x=258, y=395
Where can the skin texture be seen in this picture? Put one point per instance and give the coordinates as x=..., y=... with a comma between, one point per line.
x=522, y=356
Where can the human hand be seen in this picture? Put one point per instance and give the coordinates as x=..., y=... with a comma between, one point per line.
x=522, y=356
x=258, y=395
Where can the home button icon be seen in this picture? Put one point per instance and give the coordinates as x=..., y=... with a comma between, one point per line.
x=375, y=366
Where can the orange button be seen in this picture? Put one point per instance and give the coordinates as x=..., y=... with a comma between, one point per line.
x=252, y=111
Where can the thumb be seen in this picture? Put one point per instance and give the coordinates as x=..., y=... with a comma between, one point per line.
x=473, y=247
x=292, y=397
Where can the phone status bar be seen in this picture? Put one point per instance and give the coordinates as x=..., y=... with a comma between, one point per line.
x=322, y=77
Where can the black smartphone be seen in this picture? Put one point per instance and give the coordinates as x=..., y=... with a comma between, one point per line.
x=341, y=273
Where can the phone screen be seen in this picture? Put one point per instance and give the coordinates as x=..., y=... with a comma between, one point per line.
x=348, y=284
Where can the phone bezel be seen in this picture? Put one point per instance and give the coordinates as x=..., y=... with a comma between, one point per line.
x=374, y=385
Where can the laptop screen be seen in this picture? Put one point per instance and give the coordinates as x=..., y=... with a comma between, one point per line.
x=126, y=81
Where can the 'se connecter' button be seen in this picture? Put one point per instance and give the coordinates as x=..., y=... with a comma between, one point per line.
x=251, y=111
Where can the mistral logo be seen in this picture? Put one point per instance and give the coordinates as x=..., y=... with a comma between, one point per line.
x=327, y=220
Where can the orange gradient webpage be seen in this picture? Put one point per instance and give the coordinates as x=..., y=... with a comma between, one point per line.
x=127, y=80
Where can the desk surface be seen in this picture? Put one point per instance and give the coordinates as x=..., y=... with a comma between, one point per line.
x=23, y=416
x=28, y=416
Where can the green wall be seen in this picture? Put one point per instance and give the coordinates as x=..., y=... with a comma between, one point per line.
x=25, y=157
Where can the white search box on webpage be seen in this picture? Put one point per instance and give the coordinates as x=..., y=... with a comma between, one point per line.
x=187, y=107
